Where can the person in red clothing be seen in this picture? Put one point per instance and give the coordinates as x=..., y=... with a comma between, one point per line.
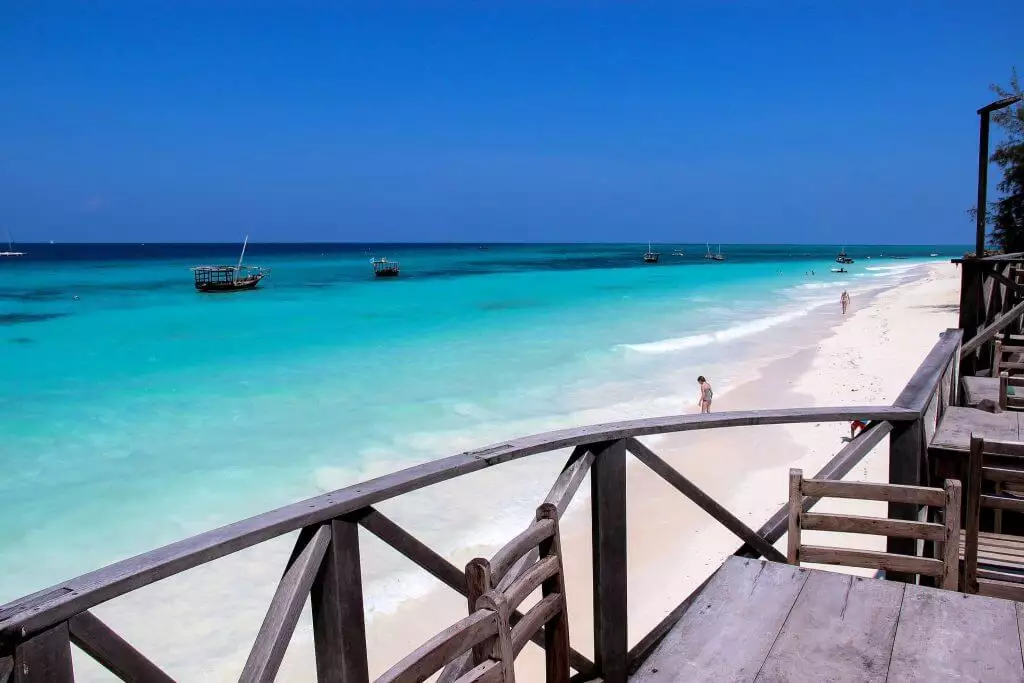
x=855, y=425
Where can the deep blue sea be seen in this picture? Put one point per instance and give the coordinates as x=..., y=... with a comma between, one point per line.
x=135, y=411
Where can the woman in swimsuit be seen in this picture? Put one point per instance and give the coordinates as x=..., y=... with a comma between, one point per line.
x=704, y=400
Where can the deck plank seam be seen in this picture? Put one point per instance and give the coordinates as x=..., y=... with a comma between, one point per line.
x=1016, y=612
x=805, y=574
x=896, y=633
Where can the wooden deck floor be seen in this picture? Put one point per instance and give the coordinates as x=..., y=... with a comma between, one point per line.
x=764, y=621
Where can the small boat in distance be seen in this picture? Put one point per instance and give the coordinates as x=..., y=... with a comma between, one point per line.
x=228, y=278
x=840, y=270
x=714, y=257
x=384, y=268
x=10, y=247
x=679, y=252
x=843, y=258
x=651, y=256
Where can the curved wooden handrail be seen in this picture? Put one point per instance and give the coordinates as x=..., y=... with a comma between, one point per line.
x=46, y=608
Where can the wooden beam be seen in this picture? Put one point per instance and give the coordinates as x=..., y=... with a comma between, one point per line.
x=100, y=642
x=278, y=625
x=988, y=332
x=925, y=381
x=856, y=524
x=838, y=467
x=864, y=490
x=46, y=608
x=569, y=480
x=703, y=500
x=1010, y=285
x=608, y=530
x=45, y=657
x=6, y=667
x=339, y=627
x=906, y=460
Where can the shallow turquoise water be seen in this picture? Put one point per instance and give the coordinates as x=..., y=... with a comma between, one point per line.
x=143, y=412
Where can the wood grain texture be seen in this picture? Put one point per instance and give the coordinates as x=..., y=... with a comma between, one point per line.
x=6, y=667
x=947, y=636
x=279, y=623
x=45, y=657
x=871, y=559
x=705, y=502
x=857, y=524
x=45, y=608
x=951, y=541
x=796, y=498
x=924, y=382
x=907, y=451
x=959, y=423
x=100, y=642
x=989, y=332
x=841, y=629
x=862, y=490
x=519, y=546
x=339, y=628
x=443, y=648
x=731, y=626
x=608, y=543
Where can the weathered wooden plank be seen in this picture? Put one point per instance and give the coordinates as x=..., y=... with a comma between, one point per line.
x=1002, y=503
x=100, y=642
x=857, y=524
x=608, y=532
x=45, y=608
x=988, y=332
x=871, y=559
x=730, y=628
x=924, y=383
x=948, y=636
x=534, y=619
x=45, y=657
x=951, y=540
x=519, y=546
x=339, y=628
x=569, y=480
x=703, y=500
x=6, y=667
x=862, y=490
x=841, y=629
x=1004, y=474
x=279, y=623
x=531, y=580
x=955, y=431
x=1002, y=589
x=978, y=389
x=796, y=481
x=841, y=464
x=906, y=467
x=420, y=664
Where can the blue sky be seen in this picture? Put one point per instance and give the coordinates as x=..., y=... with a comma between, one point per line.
x=536, y=121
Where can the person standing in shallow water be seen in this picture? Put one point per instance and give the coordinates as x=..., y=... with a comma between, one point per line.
x=704, y=400
x=844, y=301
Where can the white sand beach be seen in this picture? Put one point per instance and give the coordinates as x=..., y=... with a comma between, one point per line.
x=864, y=357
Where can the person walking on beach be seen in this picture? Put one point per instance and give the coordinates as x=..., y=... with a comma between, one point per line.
x=704, y=400
x=844, y=301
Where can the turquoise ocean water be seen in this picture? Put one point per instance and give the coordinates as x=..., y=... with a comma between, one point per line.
x=143, y=411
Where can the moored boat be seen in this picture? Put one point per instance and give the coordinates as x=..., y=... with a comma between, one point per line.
x=843, y=257
x=384, y=268
x=651, y=256
x=228, y=278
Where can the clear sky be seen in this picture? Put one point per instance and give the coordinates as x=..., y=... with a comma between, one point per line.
x=836, y=121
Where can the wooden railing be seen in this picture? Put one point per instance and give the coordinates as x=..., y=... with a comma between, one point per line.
x=991, y=302
x=37, y=630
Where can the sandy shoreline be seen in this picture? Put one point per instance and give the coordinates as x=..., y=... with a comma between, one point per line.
x=821, y=359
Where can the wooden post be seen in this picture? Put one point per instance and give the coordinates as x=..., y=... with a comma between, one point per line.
x=339, y=629
x=45, y=657
x=608, y=529
x=970, y=293
x=906, y=451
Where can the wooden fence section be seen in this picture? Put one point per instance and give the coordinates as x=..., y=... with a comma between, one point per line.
x=36, y=631
x=991, y=301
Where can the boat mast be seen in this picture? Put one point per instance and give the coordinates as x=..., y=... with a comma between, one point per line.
x=244, y=244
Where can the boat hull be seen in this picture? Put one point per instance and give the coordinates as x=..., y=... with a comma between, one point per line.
x=236, y=286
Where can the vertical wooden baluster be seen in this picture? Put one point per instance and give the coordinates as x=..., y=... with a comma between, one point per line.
x=906, y=444
x=45, y=657
x=608, y=520
x=339, y=629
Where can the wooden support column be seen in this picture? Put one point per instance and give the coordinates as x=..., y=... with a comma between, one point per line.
x=906, y=458
x=608, y=512
x=339, y=629
x=970, y=296
x=45, y=657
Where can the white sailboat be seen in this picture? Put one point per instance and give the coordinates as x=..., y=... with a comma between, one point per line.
x=714, y=257
x=651, y=256
x=10, y=247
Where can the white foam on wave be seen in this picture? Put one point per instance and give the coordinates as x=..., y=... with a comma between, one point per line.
x=823, y=285
x=728, y=334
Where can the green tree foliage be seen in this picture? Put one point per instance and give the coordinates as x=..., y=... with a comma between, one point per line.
x=1006, y=215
